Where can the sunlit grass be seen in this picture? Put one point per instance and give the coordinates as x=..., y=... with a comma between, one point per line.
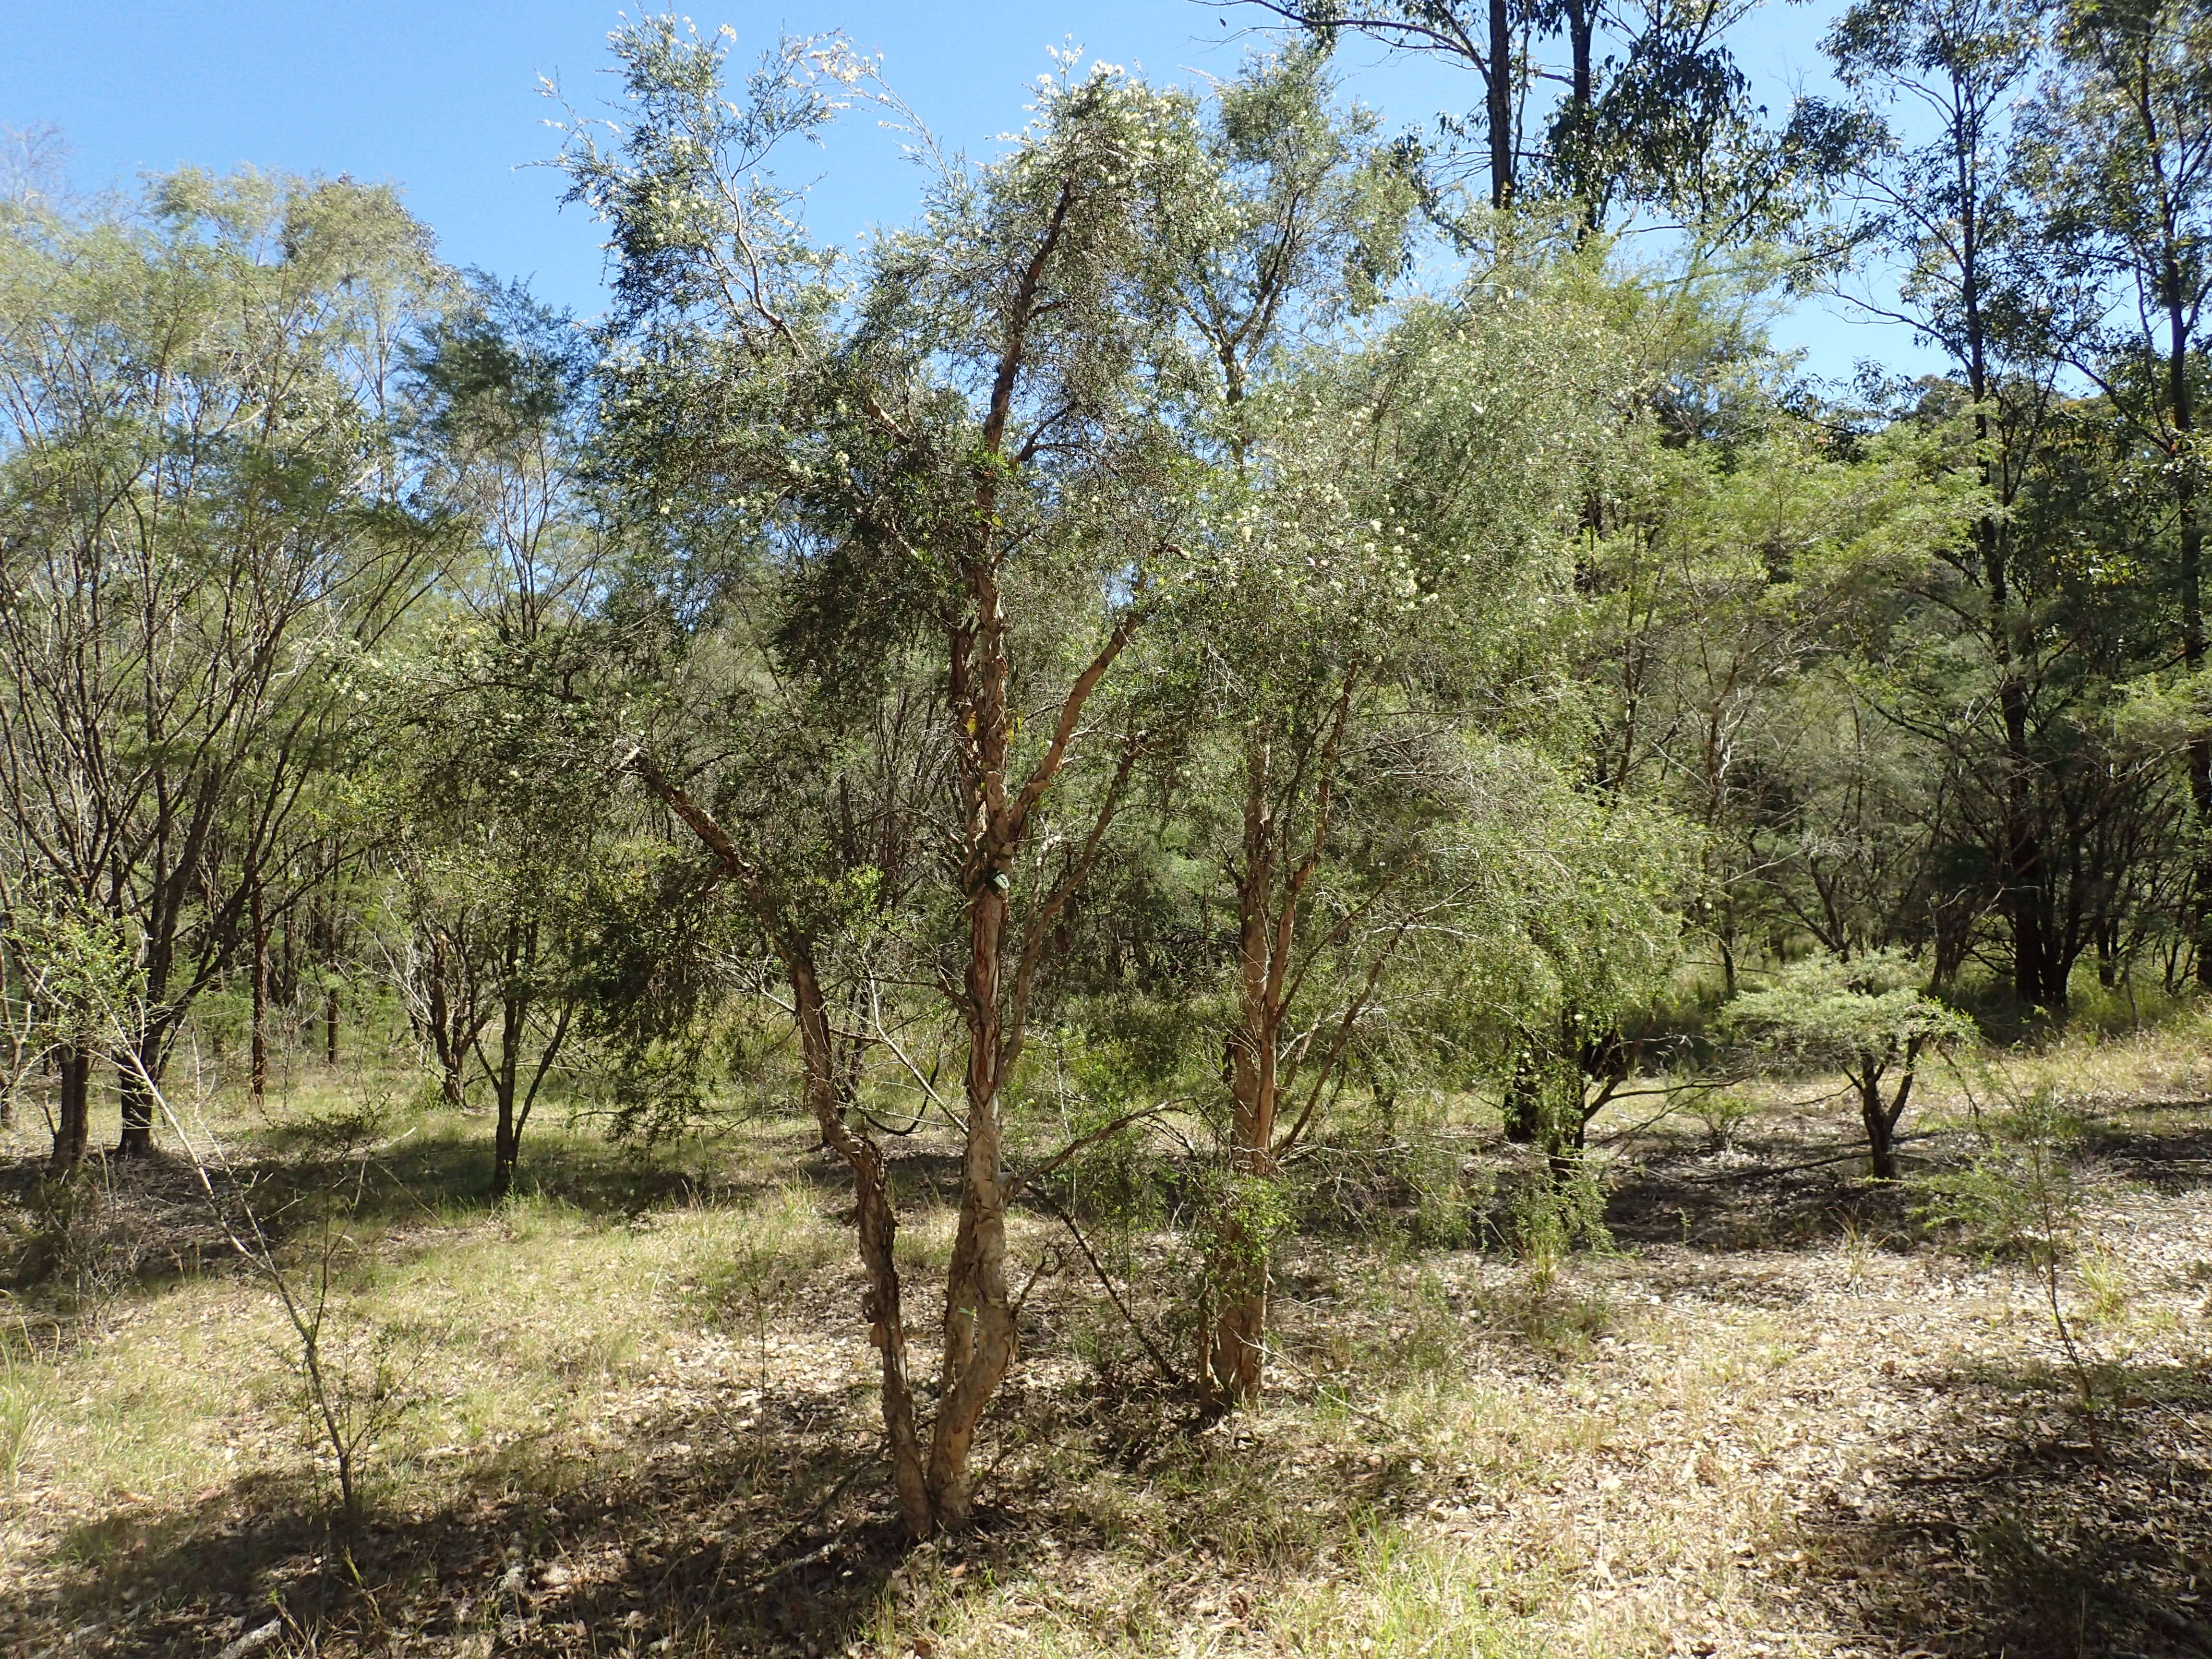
x=1465, y=1453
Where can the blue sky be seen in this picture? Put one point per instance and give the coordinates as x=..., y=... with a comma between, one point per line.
x=443, y=99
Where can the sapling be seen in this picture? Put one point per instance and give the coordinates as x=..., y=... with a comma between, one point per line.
x=1865, y=1016
x=349, y=1415
x=2021, y=1199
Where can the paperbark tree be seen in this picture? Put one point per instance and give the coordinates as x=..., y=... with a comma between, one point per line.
x=1382, y=514
x=964, y=459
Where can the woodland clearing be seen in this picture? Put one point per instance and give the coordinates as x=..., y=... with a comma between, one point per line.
x=631, y=1412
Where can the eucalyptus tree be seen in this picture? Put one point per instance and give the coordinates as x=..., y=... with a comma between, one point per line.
x=1951, y=206
x=960, y=456
x=502, y=876
x=2099, y=812
x=198, y=491
x=1608, y=108
x=2126, y=171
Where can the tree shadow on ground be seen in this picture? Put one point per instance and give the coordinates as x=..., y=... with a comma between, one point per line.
x=2170, y=1160
x=1779, y=1195
x=775, y=1537
x=444, y=1166
x=921, y=1173
x=147, y=1224
x=1782, y=1192
x=2026, y=1535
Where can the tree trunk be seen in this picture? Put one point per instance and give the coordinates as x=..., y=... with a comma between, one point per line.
x=1582, y=25
x=133, y=1075
x=876, y=1221
x=979, y=1315
x=1501, y=105
x=1882, y=1142
x=451, y=1044
x=1881, y=1120
x=875, y=1217
x=2020, y=849
x=331, y=1026
x=514, y=1025
x=2192, y=530
x=258, y=1074
x=73, y=1110
x=1524, y=1099
x=2022, y=871
x=506, y=1131
x=137, y=1111
x=1240, y=1268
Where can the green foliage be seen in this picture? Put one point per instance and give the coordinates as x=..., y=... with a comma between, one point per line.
x=1854, y=1014
x=2020, y=1200
x=1551, y=1218
x=1242, y=1217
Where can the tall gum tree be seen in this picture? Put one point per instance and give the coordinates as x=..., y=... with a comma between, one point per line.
x=2126, y=173
x=1941, y=192
x=200, y=492
x=1612, y=109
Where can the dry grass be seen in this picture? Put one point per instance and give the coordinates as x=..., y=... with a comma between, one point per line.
x=631, y=1412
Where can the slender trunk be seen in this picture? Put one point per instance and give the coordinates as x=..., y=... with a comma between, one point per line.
x=506, y=1131
x=875, y=1217
x=331, y=1026
x=1240, y=1266
x=450, y=1042
x=2020, y=853
x=876, y=1221
x=73, y=1110
x=1501, y=105
x=1880, y=1118
x=503, y=1149
x=257, y=1072
x=1524, y=1097
x=1581, y=23
x=1881, y=1145
x=134, y=1098
x=979, y=1314
x=1589, y=1056
x=2191, y=530
x=2021, y=870
x=288, y=983
x=2020, y=850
